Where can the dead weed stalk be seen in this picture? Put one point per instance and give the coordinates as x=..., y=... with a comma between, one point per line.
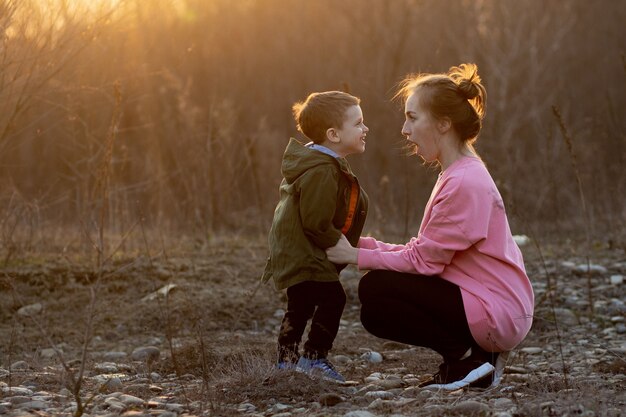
x=572, y=155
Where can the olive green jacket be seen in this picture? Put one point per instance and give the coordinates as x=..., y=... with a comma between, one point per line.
x=314, y=203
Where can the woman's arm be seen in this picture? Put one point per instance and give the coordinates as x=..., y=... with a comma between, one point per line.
x=457, y=218
x=344, y=253
x=371, y=243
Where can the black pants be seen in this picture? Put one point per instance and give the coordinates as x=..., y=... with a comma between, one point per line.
x=321, y=301
x=417, y=310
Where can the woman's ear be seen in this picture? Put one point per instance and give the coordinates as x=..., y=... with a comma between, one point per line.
x=332, y=135
x=444, y=124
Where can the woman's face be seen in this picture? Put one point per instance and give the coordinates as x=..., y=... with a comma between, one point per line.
x=420, y=128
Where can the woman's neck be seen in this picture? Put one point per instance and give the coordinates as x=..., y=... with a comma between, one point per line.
x=452, y=152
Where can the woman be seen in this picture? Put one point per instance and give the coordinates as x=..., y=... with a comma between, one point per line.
x=459, y=287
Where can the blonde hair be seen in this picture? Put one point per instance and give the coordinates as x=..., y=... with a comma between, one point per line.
x=457, y=95
x=321, y=111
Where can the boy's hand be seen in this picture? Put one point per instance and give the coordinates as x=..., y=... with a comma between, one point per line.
x=343, y=252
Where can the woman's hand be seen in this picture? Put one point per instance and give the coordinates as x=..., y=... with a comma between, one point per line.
x=343, y=252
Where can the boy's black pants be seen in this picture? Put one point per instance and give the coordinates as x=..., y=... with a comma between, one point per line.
x=417, y=310
x=321, y=301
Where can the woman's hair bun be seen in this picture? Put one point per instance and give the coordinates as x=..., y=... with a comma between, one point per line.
x=468, y=88
x=466, y=77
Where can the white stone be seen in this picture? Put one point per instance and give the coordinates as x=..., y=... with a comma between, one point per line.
x=616, y=279
x=30, y=310
x=568, y=265
x=591, y=268
x=521, y=240
x=359, y=413
x=48, y=353
x=531, y=350
x=106, y=368
x=385, y=395
x=177, y=408
x=19, y=366
x=160, y=293
x=343, y=359
x=146, y=353
x=130, y=399
x=373, y=357
x=33, y=405
x=471, y=407
x=112, y=385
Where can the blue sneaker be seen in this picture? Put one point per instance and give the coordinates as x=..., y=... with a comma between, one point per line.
x=319, y=367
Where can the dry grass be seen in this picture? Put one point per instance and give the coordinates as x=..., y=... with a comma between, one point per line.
x=190, y=157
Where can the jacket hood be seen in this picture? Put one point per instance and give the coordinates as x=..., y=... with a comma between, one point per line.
x=298, y=159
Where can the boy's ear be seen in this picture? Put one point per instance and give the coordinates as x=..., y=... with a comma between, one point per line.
x=332, y=135
x=444, y=124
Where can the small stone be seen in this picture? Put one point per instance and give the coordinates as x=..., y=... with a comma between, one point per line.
x=390, y=383
x=280, y=407
x=114, y=356
x=30, y=310
x=33, y=405
x=531, y=350
x=17, y=399
x=330, y=399
x=114, y=404
x=112, y=385
x=48, y=353
x=592, y=269
x=503, y=403
x=372, y=357
x=162, y=292
x=106, y=368
x=19, y=366
x=616, y=279
x=471, y=408
x=341, y=359
x=384, y=395
x=521, y=240
x=146, y=353
x=163, y=413
x=130, y=400
x=373, y=377
x=246, y=407
x=566, y=316
x=176, y=408
x=359, y=413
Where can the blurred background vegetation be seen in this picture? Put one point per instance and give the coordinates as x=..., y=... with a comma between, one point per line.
x=173, y=114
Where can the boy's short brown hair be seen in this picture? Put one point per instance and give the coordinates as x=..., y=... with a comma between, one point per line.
x=321, y=111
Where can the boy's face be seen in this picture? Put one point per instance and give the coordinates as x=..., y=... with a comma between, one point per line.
x=351, y=135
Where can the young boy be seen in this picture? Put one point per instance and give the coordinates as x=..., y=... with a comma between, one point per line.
x=320, y=199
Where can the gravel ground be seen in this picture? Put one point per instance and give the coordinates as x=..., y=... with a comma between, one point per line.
x=193, y=334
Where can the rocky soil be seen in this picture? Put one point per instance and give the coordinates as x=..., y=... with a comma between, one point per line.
x=192, y=334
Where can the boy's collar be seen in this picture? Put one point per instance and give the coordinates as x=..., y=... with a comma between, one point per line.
x=322, y=148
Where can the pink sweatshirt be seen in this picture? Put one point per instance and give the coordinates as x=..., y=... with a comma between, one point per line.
x=465, y=238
